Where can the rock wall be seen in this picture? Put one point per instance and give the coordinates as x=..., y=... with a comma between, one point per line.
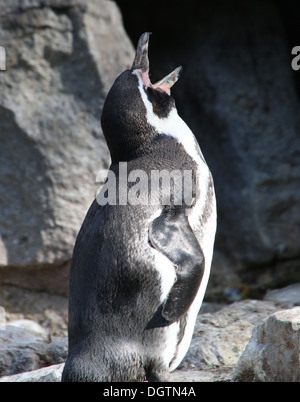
x=62, y=57
x=237, y=92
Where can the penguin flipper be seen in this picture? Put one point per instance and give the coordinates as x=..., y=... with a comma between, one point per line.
x=172, y=235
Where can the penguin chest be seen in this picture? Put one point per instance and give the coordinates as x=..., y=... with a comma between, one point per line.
x=202, y=219
x=203, y=222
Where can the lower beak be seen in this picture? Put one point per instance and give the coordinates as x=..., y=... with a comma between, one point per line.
x=169, y=80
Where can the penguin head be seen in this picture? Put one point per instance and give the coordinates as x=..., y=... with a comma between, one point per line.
x=133, y=105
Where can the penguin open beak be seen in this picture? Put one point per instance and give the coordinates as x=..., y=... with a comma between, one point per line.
x=141, y=62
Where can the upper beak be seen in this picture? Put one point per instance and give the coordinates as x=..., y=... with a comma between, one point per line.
x=141, y=60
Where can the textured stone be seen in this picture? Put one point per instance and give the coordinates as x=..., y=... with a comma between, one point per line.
x=21, y=349
x=61, y=60
x=244, y=111
x=25, y=346
x=289, y=295
x=220, y=337
x=273, y=352
x=45, y=374
x=221, y=374
x=219, y=341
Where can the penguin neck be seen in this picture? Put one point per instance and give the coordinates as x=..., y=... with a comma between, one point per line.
x=130, y=147
x=171, y=125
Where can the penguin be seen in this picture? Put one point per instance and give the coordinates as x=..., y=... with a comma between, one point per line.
x=140, y=269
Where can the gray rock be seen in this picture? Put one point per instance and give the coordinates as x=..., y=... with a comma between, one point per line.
x=220, y=374
x=245, y=112
x=273, y=352
x=58, y=351
x=45, y=374
x=25, y=346
x=30, y=326
x=220, y=338
x=53, y=374
x=21, y=350
x=61, y=60
x=289, y=295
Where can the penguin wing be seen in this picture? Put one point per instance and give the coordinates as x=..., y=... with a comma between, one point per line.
x=172, y=235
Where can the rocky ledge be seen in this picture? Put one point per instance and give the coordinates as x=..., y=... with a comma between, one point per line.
x=248, y=340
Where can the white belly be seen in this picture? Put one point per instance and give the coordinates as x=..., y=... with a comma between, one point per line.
x=207, y=245
x=170, y=347
x=175, y=127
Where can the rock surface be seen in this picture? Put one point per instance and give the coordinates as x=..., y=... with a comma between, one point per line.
x=273, y=352
x=45, y=374
x=25, y=346
x=289, y=295
x=221, y=336
x=62, y=57
x=48, y=310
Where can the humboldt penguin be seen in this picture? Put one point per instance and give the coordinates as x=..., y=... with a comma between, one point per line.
x=142, y=257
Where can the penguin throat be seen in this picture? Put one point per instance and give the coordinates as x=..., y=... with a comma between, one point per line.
x=147, y=83
x=145, y=78
x=171, y=125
